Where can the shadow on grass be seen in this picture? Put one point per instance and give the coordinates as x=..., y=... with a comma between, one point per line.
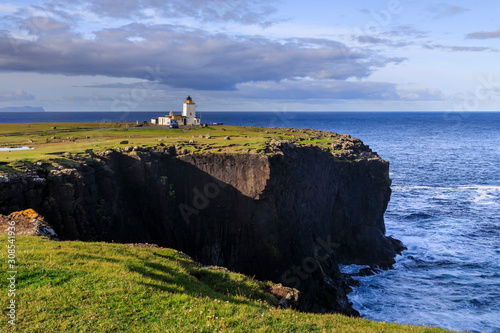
x=92, y=257
x=181, y=275
x=53, y=277
x=202, y=282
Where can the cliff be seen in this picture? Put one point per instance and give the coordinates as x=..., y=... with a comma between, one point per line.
x=290, y=215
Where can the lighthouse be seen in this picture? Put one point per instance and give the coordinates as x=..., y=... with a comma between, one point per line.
x=188, y=116
x=189, y=112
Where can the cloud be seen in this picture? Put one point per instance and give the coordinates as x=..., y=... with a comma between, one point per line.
x=459, y=48
x=405, y=31
x=241, y=11
x=184, y=57
x=8, y=8
x=403, y=42
x=421, y=94
x=136, y=96
x=442, y=10
x=365, y=39
x=93, y=98
x=336, y=90
x=43, y=24
x=118, y=85
x=17, y=95
x=400, y=36
x=483, y=35
x=376, y=41
x=318, y=90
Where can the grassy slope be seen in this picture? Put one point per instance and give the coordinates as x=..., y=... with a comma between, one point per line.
x=102, y=287
x=76, y=138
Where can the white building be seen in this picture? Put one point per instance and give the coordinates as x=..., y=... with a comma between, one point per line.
x=165, y=121
x=188, y=116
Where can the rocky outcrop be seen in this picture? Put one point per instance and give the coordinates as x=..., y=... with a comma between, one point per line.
x=286, y=297
x=28, y=223
x=289, y=216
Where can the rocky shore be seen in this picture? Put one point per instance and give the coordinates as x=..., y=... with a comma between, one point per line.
x=289, y=215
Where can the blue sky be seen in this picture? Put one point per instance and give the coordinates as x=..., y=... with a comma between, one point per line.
x=256, y=55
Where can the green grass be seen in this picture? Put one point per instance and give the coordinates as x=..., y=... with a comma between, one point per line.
x=51, y=141
x=102, y=287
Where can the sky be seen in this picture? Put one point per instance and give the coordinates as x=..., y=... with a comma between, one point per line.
x=254, y=55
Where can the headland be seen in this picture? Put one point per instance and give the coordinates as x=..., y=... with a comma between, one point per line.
x=286, y=205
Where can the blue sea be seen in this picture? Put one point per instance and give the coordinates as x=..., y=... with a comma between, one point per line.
x=445, y=207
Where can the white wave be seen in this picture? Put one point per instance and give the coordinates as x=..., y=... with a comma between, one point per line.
x=491, y=203
x=484, y=197
x=420, y=187
x=481, y=187
x=457, y=187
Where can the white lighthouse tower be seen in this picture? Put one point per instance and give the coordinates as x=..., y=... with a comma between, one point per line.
x=189, y=112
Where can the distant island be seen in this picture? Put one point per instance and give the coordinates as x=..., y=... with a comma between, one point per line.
x=23, y=109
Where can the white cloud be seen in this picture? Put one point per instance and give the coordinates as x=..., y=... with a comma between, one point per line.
x=421, y=93
x=16, y=95
x=8, y=8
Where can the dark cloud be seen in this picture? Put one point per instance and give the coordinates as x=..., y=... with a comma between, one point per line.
x=118, y=85
x=443, y=9
x=186, y=58
x=484, y=35
x=17, y=95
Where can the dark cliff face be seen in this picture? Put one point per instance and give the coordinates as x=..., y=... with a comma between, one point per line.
x=290, y=217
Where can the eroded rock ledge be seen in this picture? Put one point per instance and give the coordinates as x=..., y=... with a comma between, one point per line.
x=290, y=215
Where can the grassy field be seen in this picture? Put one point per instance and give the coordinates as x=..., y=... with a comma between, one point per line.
x=102, y=287
x=53, y=141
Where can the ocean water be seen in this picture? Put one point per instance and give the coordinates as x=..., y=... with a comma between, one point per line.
x=445, y=207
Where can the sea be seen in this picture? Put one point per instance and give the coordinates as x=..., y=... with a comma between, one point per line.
x=445, y=207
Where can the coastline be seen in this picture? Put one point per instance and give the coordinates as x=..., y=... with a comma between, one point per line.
x=240, y=171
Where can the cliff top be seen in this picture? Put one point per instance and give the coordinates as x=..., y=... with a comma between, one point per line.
x=22, y=144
